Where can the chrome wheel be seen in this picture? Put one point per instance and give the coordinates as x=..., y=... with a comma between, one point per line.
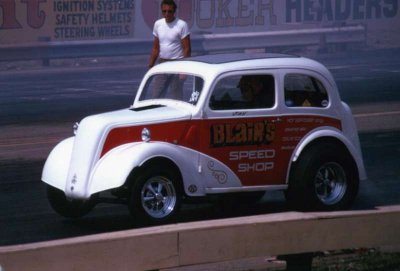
x=158, y=197
x=330, y=183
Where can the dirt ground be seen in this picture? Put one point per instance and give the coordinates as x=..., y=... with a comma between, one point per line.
x=358, y=260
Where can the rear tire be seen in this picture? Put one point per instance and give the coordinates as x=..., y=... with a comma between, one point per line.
x=66, y=207
x=324, y=179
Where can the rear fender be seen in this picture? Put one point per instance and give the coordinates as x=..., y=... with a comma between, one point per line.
x=329, y=132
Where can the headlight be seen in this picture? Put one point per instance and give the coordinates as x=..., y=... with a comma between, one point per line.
x=146, y=135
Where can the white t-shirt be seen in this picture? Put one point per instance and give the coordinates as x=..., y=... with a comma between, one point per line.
x=170, y=36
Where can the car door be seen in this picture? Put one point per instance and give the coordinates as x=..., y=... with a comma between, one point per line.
x=243, y=134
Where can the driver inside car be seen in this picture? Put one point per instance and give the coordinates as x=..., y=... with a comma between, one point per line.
x=257, y=90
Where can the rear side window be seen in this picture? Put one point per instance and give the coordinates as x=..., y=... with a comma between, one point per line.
x=304, y=91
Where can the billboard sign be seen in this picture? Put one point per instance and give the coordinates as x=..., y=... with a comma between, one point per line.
x=27, y=21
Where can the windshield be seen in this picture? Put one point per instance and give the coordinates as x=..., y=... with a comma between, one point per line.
x=175, y=86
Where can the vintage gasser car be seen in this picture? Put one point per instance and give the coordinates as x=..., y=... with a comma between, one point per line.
x=209, y=125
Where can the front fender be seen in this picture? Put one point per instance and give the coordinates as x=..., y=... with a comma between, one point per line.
x=113, y=169
x=55, y=170
x=332, y=133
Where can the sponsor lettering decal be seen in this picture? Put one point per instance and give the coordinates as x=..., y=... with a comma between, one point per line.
x=242, y=134
x=209, y=14
x=59, y=20
x=339, y=10
x=35, y=16
x=254, y=160
x=192, y=189
x=206, y=14
x=67, y=20
x=93, y=19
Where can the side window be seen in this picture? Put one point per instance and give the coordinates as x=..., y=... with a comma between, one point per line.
x=243, y=92
x=304, y=91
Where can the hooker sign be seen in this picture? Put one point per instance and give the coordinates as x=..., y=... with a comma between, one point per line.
x=231, y=16
x=26, y=21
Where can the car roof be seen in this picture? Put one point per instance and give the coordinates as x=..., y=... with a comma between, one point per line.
x=215, y=64
x=228, y=58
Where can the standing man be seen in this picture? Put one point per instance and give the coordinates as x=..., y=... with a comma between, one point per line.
x=171, y=36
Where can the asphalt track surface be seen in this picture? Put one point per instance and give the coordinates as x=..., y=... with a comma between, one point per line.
x=39, y=107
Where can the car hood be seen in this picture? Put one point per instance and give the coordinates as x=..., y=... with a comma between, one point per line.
x=94, y=133
x=94, y=130
x=135, y=116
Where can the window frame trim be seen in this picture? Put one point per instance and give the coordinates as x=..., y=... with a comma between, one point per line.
x=311, y=73
x=243, y=112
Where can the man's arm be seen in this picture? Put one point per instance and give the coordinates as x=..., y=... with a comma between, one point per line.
x=187, y=47
x=155, y=51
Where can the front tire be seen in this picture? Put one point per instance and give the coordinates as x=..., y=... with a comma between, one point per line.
x=66, y=207
x=156, y=195
x=324, y=179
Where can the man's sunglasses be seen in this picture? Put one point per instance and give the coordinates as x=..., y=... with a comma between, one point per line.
x=168, y=11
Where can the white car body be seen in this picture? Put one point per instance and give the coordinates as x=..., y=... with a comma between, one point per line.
x=216, y=150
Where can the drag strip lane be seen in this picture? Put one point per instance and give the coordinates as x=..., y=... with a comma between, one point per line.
x=31, y=141
x=377, y=117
